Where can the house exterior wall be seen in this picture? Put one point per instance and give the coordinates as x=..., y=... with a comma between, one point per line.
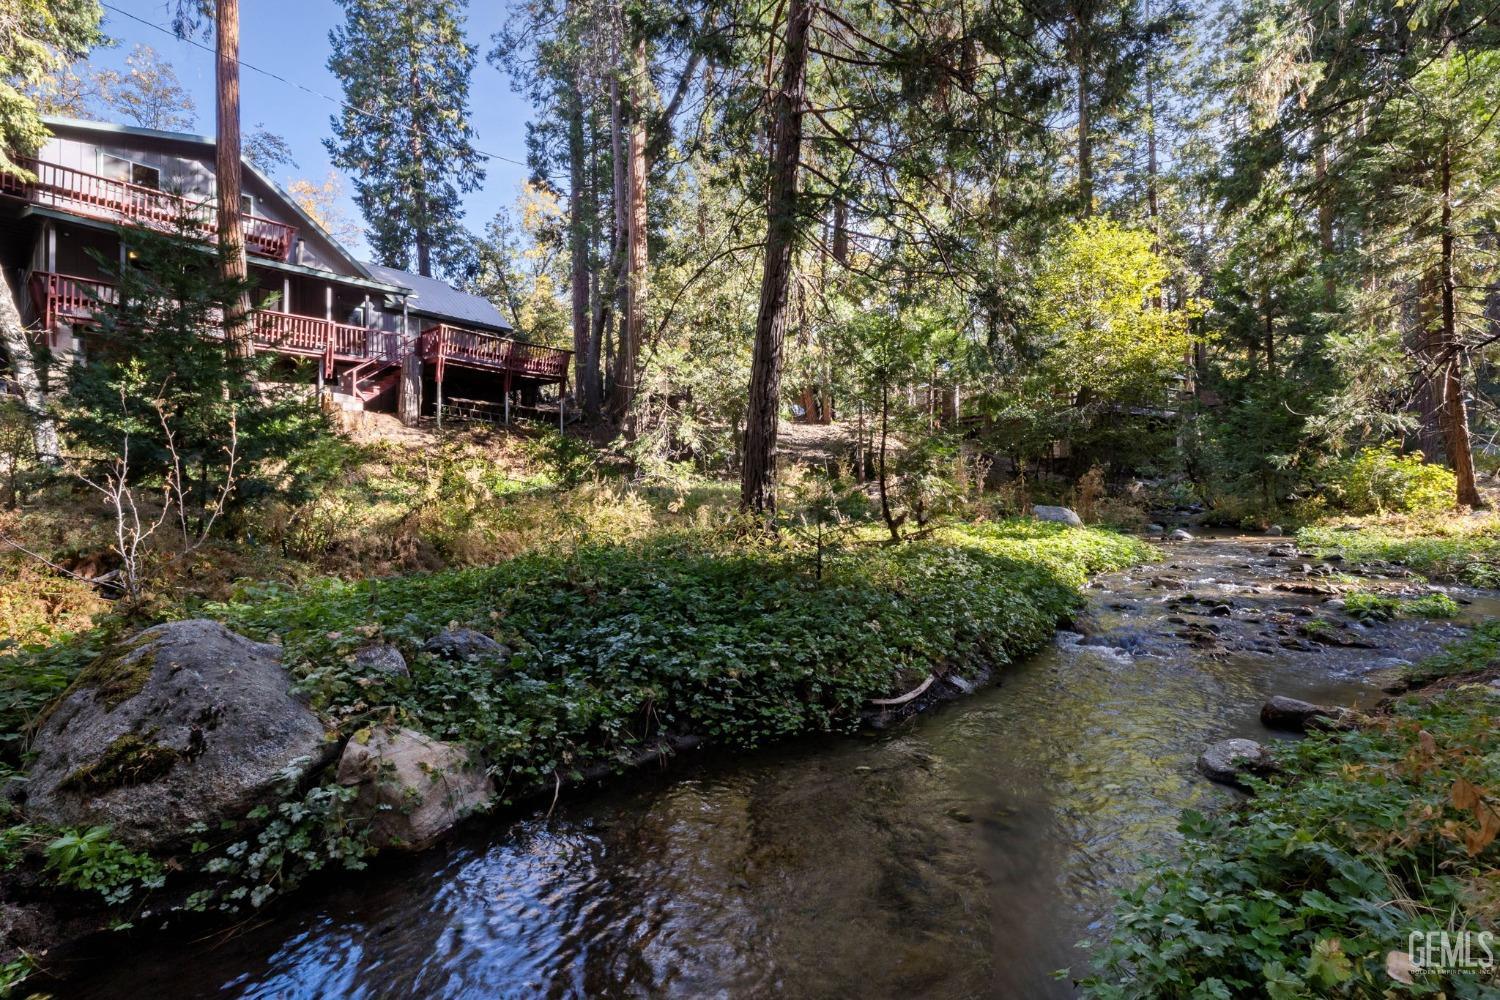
x=187, y=169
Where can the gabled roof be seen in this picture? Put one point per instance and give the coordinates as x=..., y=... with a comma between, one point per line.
x=432, y=297
x=188, y=138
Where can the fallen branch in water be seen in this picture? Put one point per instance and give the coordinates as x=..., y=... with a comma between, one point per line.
x=915, y=692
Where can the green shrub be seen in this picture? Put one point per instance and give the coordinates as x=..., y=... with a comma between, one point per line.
x=1305, y=890
x=1368, y=607
x=91, y=861
x=741, y=644
x=568, y=461
x=1380, y=480
x=1371, y=607
x=1431, y=606
x=1465, y=548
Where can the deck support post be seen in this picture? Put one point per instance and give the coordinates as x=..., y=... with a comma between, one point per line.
x=409, y=404
x=507, y=397
x=562, y=404
x=440, y=404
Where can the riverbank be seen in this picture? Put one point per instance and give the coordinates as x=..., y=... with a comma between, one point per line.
x=1316, y=885
x=589, y=659
x=1443, y=546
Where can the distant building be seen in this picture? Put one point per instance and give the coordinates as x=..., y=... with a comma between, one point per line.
x=384, y=339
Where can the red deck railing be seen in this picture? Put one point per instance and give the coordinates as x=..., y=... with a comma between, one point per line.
x=96, y=197
x=64, y=298
x=443, y=344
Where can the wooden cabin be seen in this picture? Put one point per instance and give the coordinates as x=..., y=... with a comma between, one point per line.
x=382, y=338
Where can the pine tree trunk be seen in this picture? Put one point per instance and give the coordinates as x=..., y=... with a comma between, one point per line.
x=633, y=290
x=23, y=366
x=578, y=246
x=758, y=474
x=1325, y=220
x=618, y=238
x=237, y=335
x=636, y=279
x=885, y=496
x=422, y=235
x=1085, y=138
x=1270, y=327
x=1455, y=414
x=1153, y=207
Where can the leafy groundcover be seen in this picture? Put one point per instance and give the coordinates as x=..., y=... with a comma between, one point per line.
x=612, y=647
x=685, y=635
x=1313, y=887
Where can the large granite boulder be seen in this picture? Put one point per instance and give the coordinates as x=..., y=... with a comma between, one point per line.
x=412, y=788
x=185, y=723
x=1061, y=515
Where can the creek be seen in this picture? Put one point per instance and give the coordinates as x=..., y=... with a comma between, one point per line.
x=962, y=853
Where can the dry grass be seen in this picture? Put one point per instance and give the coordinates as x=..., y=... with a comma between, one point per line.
x=395, y=504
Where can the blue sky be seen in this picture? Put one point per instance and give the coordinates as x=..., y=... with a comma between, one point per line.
x=290, y=39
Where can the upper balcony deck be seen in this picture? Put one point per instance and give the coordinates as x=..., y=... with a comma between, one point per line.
x=109, y=200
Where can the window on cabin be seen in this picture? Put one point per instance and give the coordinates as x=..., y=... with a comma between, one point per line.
x=121, y=169
x=247, y=204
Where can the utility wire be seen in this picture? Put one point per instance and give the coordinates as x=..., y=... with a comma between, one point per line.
x=299, y=86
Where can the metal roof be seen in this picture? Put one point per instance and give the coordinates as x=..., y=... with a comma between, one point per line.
x=433, y=297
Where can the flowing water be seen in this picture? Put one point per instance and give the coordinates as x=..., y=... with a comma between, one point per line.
x=961, y=854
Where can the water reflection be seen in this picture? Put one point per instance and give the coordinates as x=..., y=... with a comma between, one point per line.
x=961, y=856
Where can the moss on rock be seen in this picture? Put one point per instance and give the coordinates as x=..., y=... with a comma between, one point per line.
x=119, y=674
x=133, y=759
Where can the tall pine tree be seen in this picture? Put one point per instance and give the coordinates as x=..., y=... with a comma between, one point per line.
x=405, y=132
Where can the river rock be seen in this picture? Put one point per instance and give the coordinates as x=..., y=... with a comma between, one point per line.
x=1180, y=535
x=1230, y=760
x=465, y=643
x=1061, y=515
x=412, y=788
x=382, y=659
x=1155, y=529
x=186, y=723
x=1274, y=531
x=1296, y=716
